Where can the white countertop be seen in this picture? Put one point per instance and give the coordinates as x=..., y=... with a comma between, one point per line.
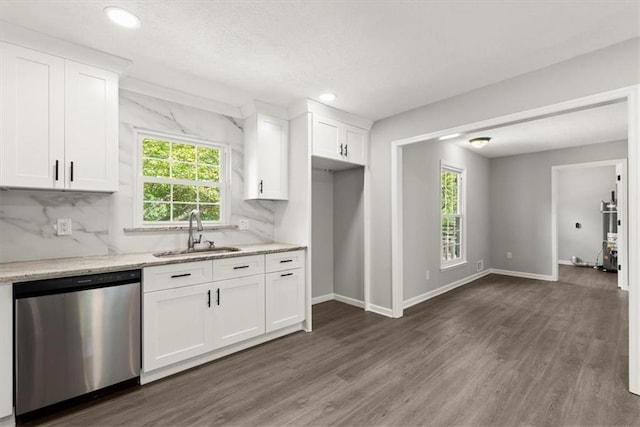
x=21, y=271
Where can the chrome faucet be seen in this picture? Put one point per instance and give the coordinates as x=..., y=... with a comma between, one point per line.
x=192, y=242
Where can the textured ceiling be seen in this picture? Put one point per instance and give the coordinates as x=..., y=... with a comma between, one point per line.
x=379, y=57
x=590, y=126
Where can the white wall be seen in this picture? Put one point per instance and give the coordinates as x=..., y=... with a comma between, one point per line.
x=580, y=191
x=421, y=214
x=27, y=217
x=521, y=204
x=322, y=233
x=596, y=72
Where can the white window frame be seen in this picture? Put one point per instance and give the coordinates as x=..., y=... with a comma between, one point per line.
x=225, y=176
x=462, y=204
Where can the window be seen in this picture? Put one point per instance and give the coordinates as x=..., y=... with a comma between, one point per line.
x=452, y=246
x=178, y=175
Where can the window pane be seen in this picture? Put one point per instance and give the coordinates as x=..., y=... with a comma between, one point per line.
x=184, y=170
x=181, y=211
x=155, y=168
x=156, y=212
x=183, y=152
x=209, y=194
x=449, y=196
x=155, y=148
x=208, y=173
x=184, y=193
x=210, y=212
x=159, y=192
x=210, y=156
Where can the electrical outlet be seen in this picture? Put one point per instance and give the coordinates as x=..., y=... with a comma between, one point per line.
x=480, y=265
x=509, y=255
x=243, y=224
x=427, y=275
x=63, y=226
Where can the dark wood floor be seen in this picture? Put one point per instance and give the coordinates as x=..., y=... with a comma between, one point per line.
x=500, y=351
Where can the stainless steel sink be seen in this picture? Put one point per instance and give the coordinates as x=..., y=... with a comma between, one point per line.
x=203, y=251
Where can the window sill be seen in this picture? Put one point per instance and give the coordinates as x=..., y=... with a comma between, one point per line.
x=180, y=228
x=452, y=266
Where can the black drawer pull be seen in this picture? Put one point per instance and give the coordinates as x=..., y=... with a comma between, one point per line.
x=282, y=261
x=240, y=267
x=57, y=164
x=209, y=298
x=175, y=276
x=218, y=296
x=71, y=171
x=286, y=274
x=346, y=149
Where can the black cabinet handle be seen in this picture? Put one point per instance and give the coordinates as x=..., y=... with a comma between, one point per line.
x=282, y=261
x=261, y=186
x=286, y=274
x=341, y=152
x=218, y=296
x=180, y=275
x=71, y=171
x=209, y=298
x=346, y=149
x=57, y=164
x=240, y=267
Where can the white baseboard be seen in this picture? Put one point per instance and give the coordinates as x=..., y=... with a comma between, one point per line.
x=348, y=300
x=522, y=274
x=322, y=298
x=383, y=311
x=564, y=262
x=442, y=289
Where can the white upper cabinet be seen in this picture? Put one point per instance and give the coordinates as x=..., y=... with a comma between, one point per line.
x=31, y=118
x=59, y=122
x=266, y=158
x=91, y=127
x=333, y=139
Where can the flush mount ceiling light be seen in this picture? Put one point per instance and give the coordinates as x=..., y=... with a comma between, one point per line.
x=480, y=142
x=453, y=135
x=122, y=17
x=327, y=97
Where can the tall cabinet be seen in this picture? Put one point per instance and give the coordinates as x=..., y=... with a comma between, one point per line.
x=58, y=122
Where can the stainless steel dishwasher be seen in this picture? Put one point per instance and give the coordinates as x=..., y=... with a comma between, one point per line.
x=74, y=336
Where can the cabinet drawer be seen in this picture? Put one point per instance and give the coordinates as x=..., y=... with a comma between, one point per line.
x=230, y=268
x=176, y=275
x=284, y=261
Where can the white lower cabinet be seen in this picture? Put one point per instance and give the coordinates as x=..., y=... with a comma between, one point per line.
x=284, y=298
x=239, y=310
x=178, y=324
x=198, y=308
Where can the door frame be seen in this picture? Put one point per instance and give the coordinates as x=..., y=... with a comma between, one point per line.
x=623, y=274
x=628, y=94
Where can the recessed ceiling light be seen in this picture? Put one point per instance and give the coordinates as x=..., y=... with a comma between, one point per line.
x=480, y=142
x=453, y=135
x=327, y=97
x=122, y=17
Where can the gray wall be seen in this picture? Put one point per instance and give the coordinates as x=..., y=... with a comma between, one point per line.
x=421, y=214
x=322, y=233
x=348, y=233
x=580, y=191
x=521, y=204
x=611, y=68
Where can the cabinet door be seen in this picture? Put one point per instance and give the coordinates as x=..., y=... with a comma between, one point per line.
x=239, y=308
x=91, y=128
x=177, y=325
x=31, y=118
x=355, y=140
x=326, y=138
x=284, y=292
x=272, y=161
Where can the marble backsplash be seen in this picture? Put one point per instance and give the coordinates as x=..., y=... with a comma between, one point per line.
x=28, y=218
